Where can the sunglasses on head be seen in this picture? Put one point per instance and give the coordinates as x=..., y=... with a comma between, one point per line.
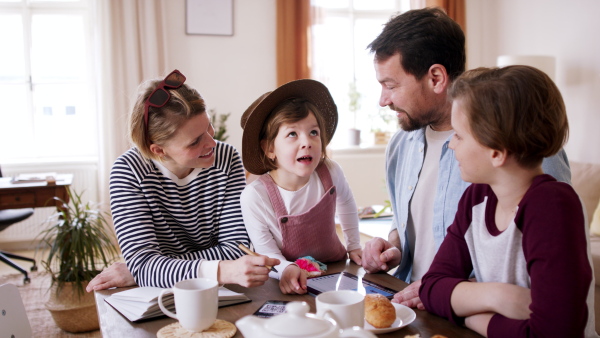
x=160, y=96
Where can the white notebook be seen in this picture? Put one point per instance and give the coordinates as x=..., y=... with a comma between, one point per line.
x=142, y=303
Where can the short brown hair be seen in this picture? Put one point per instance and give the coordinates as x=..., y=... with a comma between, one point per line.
x=290, y=111
x=185, y=103
x=423, y=37
x=516, y=108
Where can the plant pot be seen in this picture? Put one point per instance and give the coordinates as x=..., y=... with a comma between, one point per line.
x=381, y=137
x=71, y=312
x=354, y=137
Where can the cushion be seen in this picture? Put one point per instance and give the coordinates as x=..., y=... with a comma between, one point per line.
x=585, y=178
x=595, y=249
x=595, y=225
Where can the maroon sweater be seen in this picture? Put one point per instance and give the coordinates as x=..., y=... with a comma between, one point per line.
x=554, y=245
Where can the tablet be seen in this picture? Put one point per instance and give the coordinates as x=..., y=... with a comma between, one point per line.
x=346, y=281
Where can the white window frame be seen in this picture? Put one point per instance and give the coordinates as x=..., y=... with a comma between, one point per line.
x=368, y=117
x=86, y=9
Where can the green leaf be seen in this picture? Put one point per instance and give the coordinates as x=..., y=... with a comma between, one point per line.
x=78, y=243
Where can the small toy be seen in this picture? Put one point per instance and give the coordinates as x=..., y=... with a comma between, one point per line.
x=313, y=267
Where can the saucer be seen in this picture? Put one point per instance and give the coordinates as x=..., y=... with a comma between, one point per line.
x=404, y=316
x=220, y=329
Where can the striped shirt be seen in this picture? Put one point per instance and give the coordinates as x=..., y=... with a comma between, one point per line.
x=168, y=229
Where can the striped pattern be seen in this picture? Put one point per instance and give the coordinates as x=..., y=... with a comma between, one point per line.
x=165, y=230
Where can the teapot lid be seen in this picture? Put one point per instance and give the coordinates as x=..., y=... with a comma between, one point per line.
x=295, y=322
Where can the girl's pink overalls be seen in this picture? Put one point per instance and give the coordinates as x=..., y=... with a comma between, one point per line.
x=313, y=232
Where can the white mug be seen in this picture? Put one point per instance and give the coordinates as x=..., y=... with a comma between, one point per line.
x=196, y=301
x=346, y=307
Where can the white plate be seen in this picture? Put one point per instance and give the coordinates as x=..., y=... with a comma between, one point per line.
x=404, y=316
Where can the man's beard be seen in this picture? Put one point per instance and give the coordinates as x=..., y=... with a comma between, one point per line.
x=408, y=123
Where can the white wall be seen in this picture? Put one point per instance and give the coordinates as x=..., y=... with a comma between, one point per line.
x=230, y=72
x=567, y=30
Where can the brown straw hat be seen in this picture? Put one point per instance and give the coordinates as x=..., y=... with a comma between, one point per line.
x=254, y=117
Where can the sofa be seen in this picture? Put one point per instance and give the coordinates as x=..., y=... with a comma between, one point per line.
x=585, y=178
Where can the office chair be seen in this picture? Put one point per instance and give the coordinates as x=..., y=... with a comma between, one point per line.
x=9, y=217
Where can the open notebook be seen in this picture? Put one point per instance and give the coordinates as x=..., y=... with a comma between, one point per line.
x=142, y=303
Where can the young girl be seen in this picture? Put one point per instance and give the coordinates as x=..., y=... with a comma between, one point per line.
x=522, y=233
x=175, y=197
x=289, y=211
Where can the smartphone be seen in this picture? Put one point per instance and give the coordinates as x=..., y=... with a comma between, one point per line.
x=271, y=308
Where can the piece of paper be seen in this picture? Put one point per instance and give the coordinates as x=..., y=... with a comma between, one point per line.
x=33, y=177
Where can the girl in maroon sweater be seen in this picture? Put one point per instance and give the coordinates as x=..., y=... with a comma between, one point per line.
x=521, y=233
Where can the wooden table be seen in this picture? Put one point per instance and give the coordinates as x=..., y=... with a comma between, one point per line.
x=113, y=324
x=33, y=194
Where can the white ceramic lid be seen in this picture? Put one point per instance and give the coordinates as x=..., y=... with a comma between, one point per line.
x=295, y=323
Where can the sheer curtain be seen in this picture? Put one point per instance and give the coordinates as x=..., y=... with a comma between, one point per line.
x=133, y=50
x=293, y=33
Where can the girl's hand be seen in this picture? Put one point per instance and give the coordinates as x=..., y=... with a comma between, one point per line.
x=247, y=271
x=293, y=280
x=356, y=256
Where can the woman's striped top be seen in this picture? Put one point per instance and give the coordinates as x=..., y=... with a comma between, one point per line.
x=164, y=229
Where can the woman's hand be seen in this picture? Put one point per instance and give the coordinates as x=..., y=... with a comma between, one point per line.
x=247, y=271
x=356, y=256
x=116, y=275
x=293, y=280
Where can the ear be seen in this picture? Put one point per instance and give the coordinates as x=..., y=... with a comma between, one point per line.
x=158, y=150
x=268, y=150
x=498, y=157
x=438, y=78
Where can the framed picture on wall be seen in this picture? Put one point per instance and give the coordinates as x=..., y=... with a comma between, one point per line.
x=209, y=17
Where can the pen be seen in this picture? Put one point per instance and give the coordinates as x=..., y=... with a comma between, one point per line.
x=252, y=253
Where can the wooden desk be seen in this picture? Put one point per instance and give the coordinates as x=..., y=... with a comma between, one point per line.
x=33, y=195
x=113, y=324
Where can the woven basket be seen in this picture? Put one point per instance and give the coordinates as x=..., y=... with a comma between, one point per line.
x=71, y=312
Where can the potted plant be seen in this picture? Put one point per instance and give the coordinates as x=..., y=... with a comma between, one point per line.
x=354, y=107
x=382, y=125
x=220, y=125
x=79, y=247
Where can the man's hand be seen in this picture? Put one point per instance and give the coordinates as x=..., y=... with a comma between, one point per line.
x=410, y=296
x=116, y=275
x=380, y=255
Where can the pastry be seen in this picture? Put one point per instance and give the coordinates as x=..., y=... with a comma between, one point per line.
x=379, y=311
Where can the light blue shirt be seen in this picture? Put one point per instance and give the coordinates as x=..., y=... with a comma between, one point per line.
x=404, y=159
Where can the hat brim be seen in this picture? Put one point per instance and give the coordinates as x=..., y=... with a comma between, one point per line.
x=254, y=117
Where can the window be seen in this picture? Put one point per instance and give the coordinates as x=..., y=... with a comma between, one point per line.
x=341, y=32
x=47, y=85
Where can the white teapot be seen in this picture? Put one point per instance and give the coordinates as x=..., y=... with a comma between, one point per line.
x=296, y=322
